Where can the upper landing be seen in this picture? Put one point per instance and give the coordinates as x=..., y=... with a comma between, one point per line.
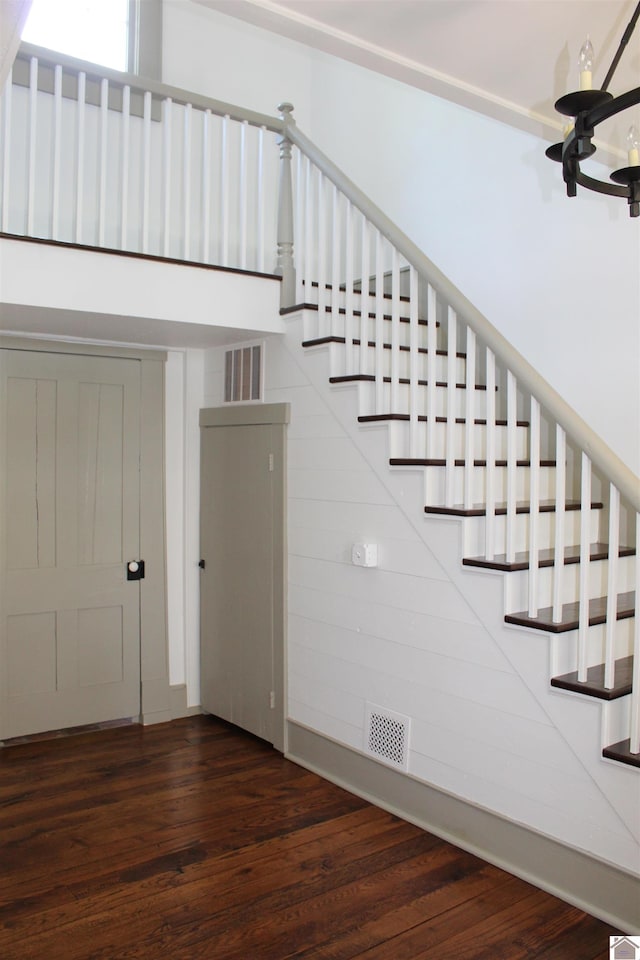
x=70, y=291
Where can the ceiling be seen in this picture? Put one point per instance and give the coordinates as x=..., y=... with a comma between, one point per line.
x=510, y=59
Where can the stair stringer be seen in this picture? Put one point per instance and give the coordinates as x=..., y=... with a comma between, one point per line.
x=576, y=722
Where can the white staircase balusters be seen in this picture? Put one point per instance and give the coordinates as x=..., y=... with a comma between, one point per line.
x=321, y=279
x=364, y=364
x=299, y=230
x=186, y=181
x=205, y=185
x=534, y=505
x=166, y=175
x=394, y=393
x=57, y=147
x=452, y=351
x=124, y=165
x=490, y=470
x=80, y=147
x=260, y=205
x=224, y=192
x=242, y=200
x=559, y=539
x=146, y=172
x=103, y=161
x=349, y=280
x=379, y=323
x=7, y=96
x=583, y=603
x=32, y=145
x=512, y=457
x=612, y=586
x=470, y=416
x=432, y=347
x=414, y=366
x=335, y=246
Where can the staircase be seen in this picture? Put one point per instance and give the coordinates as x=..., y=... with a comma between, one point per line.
x=491, y=463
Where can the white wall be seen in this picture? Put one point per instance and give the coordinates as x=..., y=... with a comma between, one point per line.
x=558, y=277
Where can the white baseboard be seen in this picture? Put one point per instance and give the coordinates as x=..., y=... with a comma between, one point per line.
x=178, y=702
x=599, y=888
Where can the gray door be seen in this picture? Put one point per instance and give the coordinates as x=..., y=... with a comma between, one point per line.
x=241, y=606
x=69, y=470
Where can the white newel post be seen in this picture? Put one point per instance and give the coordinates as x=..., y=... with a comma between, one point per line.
x=285, y=267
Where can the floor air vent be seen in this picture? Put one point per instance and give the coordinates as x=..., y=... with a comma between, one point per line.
x=387, y=736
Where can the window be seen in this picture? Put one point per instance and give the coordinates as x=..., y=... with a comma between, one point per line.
x=124, y=35
x=95, y=30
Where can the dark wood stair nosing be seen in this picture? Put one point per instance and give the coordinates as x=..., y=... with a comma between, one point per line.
x=621, y=752
x=458, y=462
x=356, y=342
x=403, y=381
x=546, y=558
x=522, y=506
x=625, y=608
x=422, y=418
x=594, y=686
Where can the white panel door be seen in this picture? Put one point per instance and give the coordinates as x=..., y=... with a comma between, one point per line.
x=69, y=475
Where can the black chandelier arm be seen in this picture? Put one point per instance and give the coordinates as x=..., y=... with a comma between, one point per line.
x=600, y=186
x=611, y=107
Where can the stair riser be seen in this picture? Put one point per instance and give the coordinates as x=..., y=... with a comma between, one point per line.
x=400, y=402
x=364, y=362
x=436, y=483
x=326, y=325
x=616, y=720
x=517, y=591
x=400, y=441
x=356, y=325
x=474, y=531
x=338, y=299
x=564, y=648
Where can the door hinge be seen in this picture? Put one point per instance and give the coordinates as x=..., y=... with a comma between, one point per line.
x=272, y=700
x=270, y=463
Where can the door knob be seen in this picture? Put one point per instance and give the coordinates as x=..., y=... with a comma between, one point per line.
x=135, y=570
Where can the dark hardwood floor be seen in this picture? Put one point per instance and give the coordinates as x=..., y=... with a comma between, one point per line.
x=194, y=841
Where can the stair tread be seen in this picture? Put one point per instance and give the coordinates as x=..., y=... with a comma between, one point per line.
x=342, y=311
x=422, y=418
x=356, y=342
x=546, y=557
x=405, y=381
x=441, y=462
x=570, y=614
x=621, y=751
x=522, y=506
x=594, y=686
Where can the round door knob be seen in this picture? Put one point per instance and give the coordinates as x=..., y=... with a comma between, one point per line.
x=134, y=566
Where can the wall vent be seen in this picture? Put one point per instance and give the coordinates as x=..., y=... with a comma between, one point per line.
x=243, y=374
x=387, y=736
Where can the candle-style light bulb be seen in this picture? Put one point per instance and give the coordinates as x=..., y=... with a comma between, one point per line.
x=585, y=61
x=633, y=146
